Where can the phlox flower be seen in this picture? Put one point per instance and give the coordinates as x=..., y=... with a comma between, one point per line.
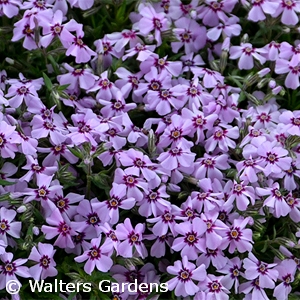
x=177, y=9
x=121, y=39
x=142, y=51
x=215, y=229
x=214, y=11
x=161, y=63
x=132, y=183
x=34, y=169
x=152, y=20
x=79, y=49
x=273, y=51
x=288, y=10
x=185, y=273
x=46, y=189
x=294, y=204
x=215, y=287
x=286, y=269
x=222, y=138
x=17, y=93
x=209, y=197
x=215, y=257
x=82, y=4
x=275, y=200
x=7, y=225
x=106, y=89
x=248, y=169
x=189, y=34
x=274, y=159
x=45, y=267
x=245, y=53
x=161, y=244
x=137, y=163
x=253, y=290
x=87, y=218
x=175, y=132
x=230, y=28
x=176, y=157
x=87, y=128
x=241, y=193
x=165, y=221
x=116, y=106
x=22, y=30
x=290, y=256
x=154, y=202
x=131, y=239
x=239, y=237
x=265, y=273
x=8, y=140
x=10, y=268
x=210, y=78
x=232, y=272
x=77, y=77
x=209, y=166
x=96, y=256
x=9, y=8
x=108, y=210
x=190, y=242
x=54, y=28
x=128, y=82
x=61, y=227
x=55, y=154
x=293, y=69
x=291, y=121
x=190, y=61
x=260, y=8
x=44, y=127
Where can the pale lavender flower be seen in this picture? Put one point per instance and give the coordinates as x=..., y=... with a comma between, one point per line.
x=260, y=8
x=288, y=10
x=256, y=269
x=45, y=267
x=190, y=243
x=131, y=239
x=10, y=268
x=246, y=52
x=96, y=256
x=8, y=226
x=185, y=272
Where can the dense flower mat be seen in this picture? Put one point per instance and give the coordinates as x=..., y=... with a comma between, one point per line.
x=150, y=142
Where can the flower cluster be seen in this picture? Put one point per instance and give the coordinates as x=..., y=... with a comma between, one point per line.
x=176, y=138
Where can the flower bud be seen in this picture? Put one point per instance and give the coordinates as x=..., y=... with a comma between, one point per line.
x=272, y=84
x=35, y=230
x=21, y=209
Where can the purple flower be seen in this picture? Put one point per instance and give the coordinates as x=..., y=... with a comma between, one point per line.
x=43, y=255
x=286, y=269
x=191, y=243
x=246, y=52
x=189, y=34
x=61, y=227
x=131, y=239
x=214, y=287
x=239, y=237
x=256, y=269
x=289, y=10
x=7, y=226
x=260, y=7
x=8, y=140
x=80, y=50
x=185, y=272
x=96, y=256
x=293, y=69
x=9, y=269
x=108, y=210
x=151, y=20
x=232, y=272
